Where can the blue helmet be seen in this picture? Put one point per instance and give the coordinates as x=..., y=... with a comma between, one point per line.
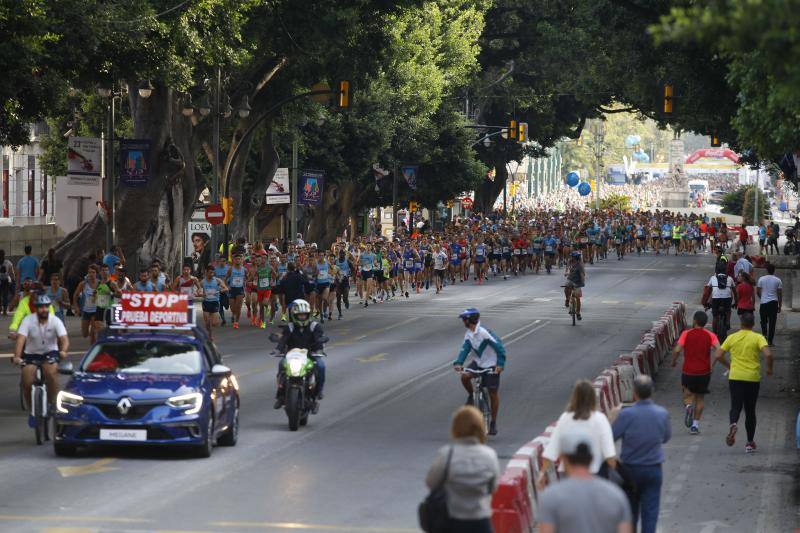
x=471, y=315
x=576, y=255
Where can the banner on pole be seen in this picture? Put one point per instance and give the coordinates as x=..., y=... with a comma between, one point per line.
x=134, y=158
x=278, y=191
x=310, y=187
x=410, y=173
x=83, y=160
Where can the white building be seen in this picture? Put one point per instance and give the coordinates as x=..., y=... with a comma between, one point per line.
x=27, y=192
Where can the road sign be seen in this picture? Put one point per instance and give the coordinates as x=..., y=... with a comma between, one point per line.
x=215, y=214
x=467, y=203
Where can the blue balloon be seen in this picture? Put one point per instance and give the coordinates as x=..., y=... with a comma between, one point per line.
x=584, y=189
x=641, y=156
x=573, y=178
x=632, y=140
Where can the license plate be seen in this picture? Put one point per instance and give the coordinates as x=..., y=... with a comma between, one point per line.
x=123, y=434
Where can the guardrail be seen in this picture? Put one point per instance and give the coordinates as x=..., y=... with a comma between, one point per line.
x=515, y=503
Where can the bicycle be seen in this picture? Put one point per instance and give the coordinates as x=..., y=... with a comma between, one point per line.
x=573, y=304
x=721, y=322
x=480, y=395
x=39, y=408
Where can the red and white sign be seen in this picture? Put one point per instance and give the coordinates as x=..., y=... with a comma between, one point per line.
x=713, y=153
x=466, y=203
x=215, y=214
x=154, y=308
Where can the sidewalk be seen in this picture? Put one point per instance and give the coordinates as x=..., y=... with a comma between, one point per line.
x=711, y=487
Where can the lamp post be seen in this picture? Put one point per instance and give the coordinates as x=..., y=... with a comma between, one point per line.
x=598, y=132
x=145, y=89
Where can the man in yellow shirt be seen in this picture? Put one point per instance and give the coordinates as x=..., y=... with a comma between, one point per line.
x=745, y=347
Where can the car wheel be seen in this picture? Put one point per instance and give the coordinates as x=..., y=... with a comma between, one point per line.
x=207, y=446
x=64, y=450
x=232, y=435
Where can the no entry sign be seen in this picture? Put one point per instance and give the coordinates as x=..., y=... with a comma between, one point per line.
x=215, y=214
x=154, y=308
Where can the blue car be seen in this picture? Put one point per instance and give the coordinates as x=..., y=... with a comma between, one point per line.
x=164, y=388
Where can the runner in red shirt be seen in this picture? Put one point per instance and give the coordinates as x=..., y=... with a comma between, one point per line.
x=745, y=303
x=697, y=345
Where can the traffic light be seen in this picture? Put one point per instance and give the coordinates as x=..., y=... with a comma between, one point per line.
x=668, y=98
x=512, y=130
x=449, y=204
x=715, y=142
x=522, y=132
x=227, y=207
x=344, y=94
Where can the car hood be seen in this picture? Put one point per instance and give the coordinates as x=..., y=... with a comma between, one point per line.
x=136, y=386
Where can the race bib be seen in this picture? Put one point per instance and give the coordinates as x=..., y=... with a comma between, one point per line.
x=548, y=248
x=409, y=264
x=517, y=251
x=584, y=240
x=618, y=241
x=506, y=249
x=211, y=294
x=103, y=300
x=263, y=283
x=237, y=282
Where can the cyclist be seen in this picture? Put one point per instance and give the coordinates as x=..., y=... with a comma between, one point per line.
x=721, y=290
x=41, y=339
x=489, y=353
x=576, y=279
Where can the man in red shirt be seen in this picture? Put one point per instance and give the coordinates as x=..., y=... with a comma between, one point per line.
x=697, y=345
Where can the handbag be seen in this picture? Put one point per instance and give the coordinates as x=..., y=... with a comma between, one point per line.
x=433, y=514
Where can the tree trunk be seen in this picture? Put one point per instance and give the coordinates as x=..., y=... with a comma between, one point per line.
x=330, y=219
x=150, y=220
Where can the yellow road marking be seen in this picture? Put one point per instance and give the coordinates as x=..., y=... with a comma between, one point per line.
x=98, y=467
x=373, y=331
x=373, y=358
x=317, y=527
x=609, y=302
x=62, y=518
x=642, y=303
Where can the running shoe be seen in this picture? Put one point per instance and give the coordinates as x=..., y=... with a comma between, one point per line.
x=262, y=324
x=235, y=325
x=283, y=317
x=730, y=439
x=406, y=294
x=694, y=430
x=688, y=416
x=580, y=317
x=493, y=428
x=750, y=447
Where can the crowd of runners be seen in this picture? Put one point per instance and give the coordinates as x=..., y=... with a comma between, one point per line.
x=255, y=283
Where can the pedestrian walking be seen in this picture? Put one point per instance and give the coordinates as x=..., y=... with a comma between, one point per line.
x=582, y=502
x=745, y=293
x=643, y=428
x=468, y=470
x=581, y=414
x=697, y=345
x=770, y=292
x=745, y=348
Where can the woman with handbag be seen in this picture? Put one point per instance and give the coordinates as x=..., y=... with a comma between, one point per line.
x=462, y=479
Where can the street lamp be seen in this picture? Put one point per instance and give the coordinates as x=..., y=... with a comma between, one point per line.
x=188, y=109
x=243, y=109
x=203, y=106
x=145, y=90
x=598, y=129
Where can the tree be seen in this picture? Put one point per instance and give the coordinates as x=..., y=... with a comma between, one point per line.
x=733, y=202
x=618, y=202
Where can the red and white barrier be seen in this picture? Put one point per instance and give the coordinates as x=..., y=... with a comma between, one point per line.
x=514, y=504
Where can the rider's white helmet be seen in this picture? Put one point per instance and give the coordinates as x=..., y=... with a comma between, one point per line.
x=300, y=312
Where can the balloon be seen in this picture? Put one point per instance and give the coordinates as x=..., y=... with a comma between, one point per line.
x=632, y=140
x=584, y=189
x=641, y=156
x=573, y=178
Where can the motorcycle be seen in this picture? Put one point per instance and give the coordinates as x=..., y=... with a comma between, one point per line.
x=299, y=387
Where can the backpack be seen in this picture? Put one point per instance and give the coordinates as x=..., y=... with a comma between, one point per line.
x=722, y=281
x=433, y=514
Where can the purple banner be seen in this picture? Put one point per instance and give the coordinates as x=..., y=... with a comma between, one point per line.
x=310, y=187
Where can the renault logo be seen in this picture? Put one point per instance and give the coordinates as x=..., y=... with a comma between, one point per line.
x=124, y=405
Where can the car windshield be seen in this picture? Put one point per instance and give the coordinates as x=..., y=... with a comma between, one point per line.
x=144, y=357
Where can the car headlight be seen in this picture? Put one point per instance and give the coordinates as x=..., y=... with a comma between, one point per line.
x=295, y=366
x=192, y=402
x=234, y=382
x=65, y=399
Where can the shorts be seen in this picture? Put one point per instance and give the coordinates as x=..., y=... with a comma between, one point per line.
x=90, y=315
x=210, y=307
x=479, y=259
x=366, y=274
x=440, y=272
x=233, y=292
x=100, y=314
x=489, y=381
x=277, y=289
x=676, y=242
x=577, y=291
x=264, y=295
x=36, y=358
x=322, y=286
x=696, y=384
x=720, y=304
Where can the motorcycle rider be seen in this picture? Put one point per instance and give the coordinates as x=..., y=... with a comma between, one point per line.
x=303, y=333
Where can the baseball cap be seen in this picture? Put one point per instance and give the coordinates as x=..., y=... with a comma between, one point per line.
x=570, y=441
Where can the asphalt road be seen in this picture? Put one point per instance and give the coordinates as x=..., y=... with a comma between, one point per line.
x=360, y=463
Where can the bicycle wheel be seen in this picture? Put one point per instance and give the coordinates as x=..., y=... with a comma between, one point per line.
x=40, y=428
x=485, y=409
x=573, y=309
